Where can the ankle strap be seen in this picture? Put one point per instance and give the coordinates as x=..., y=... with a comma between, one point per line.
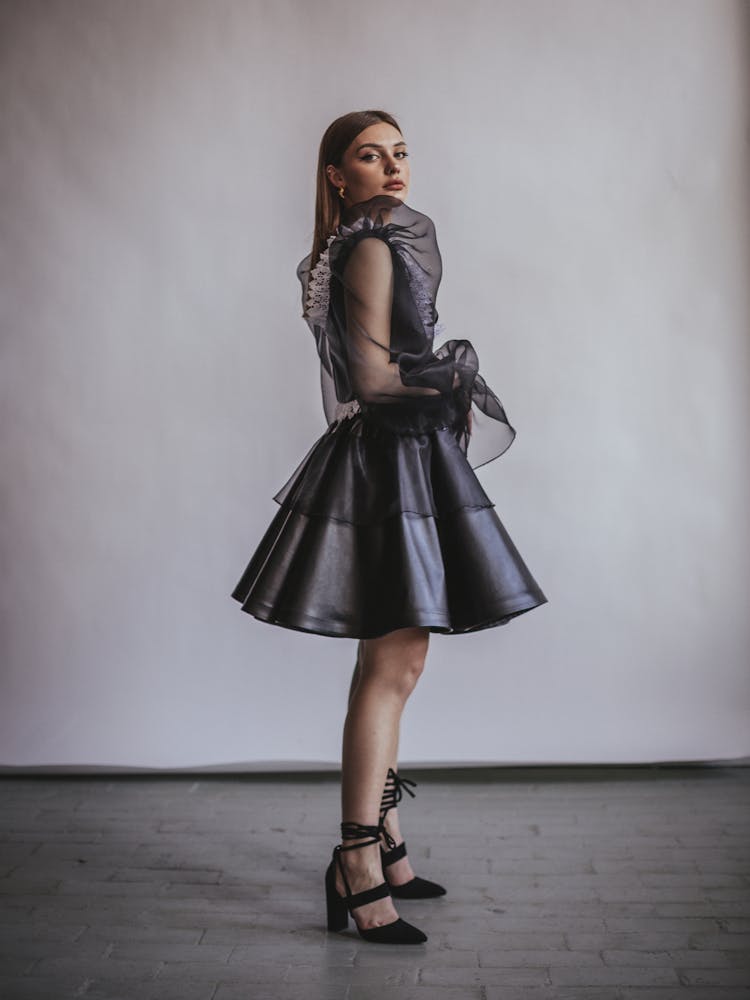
x=353, y=831
x=395, y=786
x=394, y=855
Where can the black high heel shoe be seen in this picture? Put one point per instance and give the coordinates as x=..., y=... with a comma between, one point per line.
x=415, y=888
x=339, y=907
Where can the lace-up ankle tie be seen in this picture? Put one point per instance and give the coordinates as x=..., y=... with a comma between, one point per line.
x=353, y=831
x=395, y=786
x=415, y=888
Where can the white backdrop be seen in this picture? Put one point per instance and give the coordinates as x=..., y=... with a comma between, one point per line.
x=585, y=165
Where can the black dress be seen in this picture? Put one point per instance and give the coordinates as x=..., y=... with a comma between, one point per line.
x=384, y=524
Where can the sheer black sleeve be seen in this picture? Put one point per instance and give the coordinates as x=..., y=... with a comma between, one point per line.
x=378, y=371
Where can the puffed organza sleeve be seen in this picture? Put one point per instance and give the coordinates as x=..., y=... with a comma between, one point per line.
x=379, y=370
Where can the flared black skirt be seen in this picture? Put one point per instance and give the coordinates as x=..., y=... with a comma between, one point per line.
x=384, y=525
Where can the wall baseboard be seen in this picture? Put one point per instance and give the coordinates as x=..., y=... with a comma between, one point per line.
x=322, y=768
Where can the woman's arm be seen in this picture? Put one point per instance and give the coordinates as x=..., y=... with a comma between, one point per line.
x=368, y=298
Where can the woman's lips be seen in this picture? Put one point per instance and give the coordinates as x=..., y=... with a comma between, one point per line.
x=395, y=185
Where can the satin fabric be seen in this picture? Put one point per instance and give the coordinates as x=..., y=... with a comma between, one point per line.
x=384, y=525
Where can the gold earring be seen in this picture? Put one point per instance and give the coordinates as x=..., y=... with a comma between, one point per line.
x=341, y=192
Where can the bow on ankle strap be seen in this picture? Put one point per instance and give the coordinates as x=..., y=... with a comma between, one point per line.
x=395, y=786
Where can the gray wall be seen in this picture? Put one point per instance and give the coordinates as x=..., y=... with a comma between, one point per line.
x=585, y=165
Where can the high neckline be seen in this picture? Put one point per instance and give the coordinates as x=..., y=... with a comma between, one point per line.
x=374, y=208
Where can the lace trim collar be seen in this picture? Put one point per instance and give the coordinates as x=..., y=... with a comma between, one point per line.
x=318, y=286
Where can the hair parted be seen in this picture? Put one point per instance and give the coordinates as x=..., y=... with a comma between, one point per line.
x=336, y=139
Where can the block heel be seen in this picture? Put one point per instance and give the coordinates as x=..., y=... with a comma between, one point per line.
x=337, y=914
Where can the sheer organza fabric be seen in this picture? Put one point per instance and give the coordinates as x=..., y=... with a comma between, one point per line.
x=370, y=303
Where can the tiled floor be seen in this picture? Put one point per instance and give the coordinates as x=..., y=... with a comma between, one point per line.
x=607, y=883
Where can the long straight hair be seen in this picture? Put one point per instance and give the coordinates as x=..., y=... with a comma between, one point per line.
x=336, y=140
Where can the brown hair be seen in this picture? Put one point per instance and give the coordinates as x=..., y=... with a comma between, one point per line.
x=336, y=139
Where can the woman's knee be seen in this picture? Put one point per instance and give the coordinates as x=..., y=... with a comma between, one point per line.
x=396, y=660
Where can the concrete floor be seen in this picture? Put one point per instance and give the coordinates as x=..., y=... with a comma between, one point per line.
x=619, y=883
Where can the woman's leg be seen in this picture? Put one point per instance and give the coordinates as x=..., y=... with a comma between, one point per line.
x=401, y=871
x=389, y=668
x=357, y=672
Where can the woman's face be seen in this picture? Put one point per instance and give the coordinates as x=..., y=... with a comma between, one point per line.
x=372, y=163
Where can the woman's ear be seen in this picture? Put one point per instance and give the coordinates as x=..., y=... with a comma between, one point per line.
x=335, y=176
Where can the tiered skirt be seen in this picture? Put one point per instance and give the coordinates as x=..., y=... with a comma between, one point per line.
x=384, y=525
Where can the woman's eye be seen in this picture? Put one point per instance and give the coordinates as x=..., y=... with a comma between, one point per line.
x=402, y=153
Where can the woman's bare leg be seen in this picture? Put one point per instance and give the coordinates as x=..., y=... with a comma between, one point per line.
x=357, y=672
x=401, y=871
x=389, y=668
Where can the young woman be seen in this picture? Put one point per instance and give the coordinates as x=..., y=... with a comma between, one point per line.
x=383, y=532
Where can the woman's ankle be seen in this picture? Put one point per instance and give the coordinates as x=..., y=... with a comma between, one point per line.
x=363, y=857
x=391, y=826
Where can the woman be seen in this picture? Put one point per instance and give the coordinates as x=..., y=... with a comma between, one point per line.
x=384, y=532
